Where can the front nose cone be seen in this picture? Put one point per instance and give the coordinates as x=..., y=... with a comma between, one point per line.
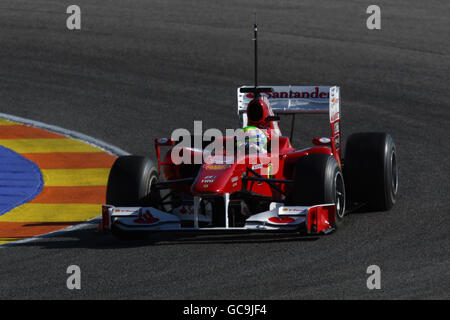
x=212, y=180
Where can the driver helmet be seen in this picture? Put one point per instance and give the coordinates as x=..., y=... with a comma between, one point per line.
x=255, y=140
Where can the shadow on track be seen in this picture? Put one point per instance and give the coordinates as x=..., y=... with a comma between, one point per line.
x=90, y=238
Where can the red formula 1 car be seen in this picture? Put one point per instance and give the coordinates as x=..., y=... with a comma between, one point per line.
x=259, y=181
x=291, y=189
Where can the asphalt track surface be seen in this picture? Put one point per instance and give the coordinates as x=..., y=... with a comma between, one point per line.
x=139, y=69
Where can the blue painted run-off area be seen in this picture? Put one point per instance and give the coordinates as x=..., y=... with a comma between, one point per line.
x=20, y=180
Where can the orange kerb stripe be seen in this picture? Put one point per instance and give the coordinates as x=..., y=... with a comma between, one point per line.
x=30, y=229
x=90, y=195
x=17, y=131
x=71, y=160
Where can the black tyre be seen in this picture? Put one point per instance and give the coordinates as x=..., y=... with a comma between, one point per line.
x=318, y=179
x=130, y=182
x=370, y=170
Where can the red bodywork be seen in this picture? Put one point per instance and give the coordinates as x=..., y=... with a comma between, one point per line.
x=217, y=179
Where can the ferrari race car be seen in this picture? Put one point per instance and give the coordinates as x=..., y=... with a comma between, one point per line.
x=276, y=188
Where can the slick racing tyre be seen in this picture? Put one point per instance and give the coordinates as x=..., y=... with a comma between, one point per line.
x=370, y=170
x=318, y=179
x=130, y=182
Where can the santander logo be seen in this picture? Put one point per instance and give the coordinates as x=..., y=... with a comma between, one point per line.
x=315, y=94
x=146, y=218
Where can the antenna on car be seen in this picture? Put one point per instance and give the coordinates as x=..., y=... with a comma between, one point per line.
x=255, y=39
x=255, y=90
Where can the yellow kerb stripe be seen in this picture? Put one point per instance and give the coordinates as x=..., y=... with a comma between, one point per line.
x=4, y=122
x=39, y=212
x=75, y=177
x=7, y=240
x=48, y=145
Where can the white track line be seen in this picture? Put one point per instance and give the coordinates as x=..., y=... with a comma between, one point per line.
x=71, y=134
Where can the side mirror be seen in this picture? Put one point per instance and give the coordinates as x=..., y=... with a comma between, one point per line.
x=321, y=141
x=164, y=142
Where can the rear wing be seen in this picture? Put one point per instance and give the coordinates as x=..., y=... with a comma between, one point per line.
x=296, y=100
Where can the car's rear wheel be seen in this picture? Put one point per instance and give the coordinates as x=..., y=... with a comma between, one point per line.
x=370, y=170
x=131, y=182
x=318, y=179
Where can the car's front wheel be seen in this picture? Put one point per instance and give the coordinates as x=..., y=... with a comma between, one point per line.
x=131, y=182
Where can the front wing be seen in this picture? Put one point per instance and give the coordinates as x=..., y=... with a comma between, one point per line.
x=315, y=219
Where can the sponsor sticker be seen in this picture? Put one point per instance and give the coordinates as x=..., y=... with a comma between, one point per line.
x=334, y=104
x=295, y=211
x=306, y=93
x=216, y=166
x=336, y=127
x=146, y=218
x=124, y=210
x=208, y=179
